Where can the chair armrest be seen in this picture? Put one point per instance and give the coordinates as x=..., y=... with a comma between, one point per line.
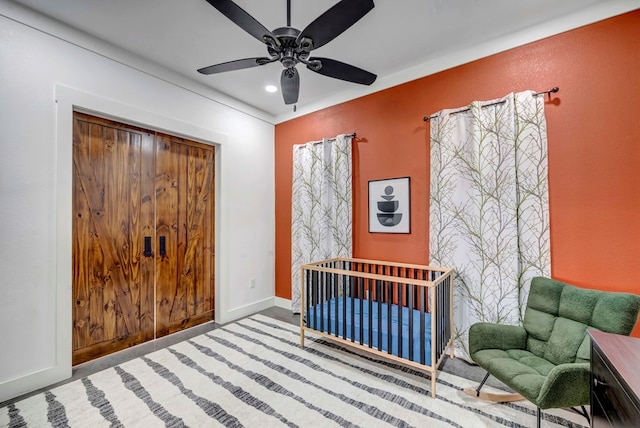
x=566, y=385
x=496, y=336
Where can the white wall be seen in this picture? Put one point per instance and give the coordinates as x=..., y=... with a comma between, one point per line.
x=42, y=78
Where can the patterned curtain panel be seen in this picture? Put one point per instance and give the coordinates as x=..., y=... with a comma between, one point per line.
x=321, y=205
x=489, y=208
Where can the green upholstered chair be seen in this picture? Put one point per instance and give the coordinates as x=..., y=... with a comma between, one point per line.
x=547, y=359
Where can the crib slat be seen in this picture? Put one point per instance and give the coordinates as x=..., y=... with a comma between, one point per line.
x=316, y=292
x=370, y=294
x=305, y=311
x=415, y=289
x=422, y=332
x=379, y=298
x=361, y=296
x=438, y=305
x=344, y=304
x=327, y=298
x=353, y=310
x=316, y=284
x=389, y=317
x=447, y=308
x=335, y=299
x=450, y=297
x=441, y=315
x=410, y=303
x=400, y=311
x=438, y=334
x=322, y=300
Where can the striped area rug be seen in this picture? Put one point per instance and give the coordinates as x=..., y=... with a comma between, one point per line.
x=253, y=373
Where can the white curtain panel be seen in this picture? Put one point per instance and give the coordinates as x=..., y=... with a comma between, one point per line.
x=489, y=207
x=322, y=206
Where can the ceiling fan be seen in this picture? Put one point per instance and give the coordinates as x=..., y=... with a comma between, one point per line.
x=291, y=46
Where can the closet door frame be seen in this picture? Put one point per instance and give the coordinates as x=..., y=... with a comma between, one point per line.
x=126, y=108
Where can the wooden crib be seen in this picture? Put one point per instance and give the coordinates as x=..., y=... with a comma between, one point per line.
x=403, y=312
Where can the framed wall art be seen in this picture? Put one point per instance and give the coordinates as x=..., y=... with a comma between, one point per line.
x=390, y=205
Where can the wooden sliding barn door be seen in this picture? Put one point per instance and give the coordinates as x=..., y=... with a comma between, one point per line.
x=142, y=236
x=184, y=231
x=113, y=303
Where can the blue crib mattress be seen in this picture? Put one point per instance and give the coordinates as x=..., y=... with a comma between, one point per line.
x=359, y=305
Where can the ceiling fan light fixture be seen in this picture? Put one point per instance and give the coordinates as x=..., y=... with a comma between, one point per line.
x=314, y=65
x=306, y=44
x=271, y=88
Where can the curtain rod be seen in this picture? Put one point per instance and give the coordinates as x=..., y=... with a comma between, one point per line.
x=462, y=110
x=352, y=135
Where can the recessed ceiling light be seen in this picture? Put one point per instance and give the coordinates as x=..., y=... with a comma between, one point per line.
x=271, y=88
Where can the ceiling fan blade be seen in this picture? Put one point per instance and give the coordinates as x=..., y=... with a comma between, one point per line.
x=342, y=71
x=335, y=21
x=290, y=85
x=238, y=64
x=242, y=19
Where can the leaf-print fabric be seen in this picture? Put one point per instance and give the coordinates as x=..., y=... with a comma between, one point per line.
x=489, y=209
x=321, y=222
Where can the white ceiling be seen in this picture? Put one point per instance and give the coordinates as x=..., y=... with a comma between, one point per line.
x=396, y=35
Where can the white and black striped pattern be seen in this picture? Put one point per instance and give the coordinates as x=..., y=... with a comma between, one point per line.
x=253, y=373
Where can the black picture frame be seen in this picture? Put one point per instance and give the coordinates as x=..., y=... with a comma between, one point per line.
x=390, y=205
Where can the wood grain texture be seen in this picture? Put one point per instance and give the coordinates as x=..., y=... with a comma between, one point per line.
x=495, y=397
x=130, y=183
x=107, y=289
x=623, y=353
x=184, y=184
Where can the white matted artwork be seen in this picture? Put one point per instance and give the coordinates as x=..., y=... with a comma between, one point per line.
x=389, y=205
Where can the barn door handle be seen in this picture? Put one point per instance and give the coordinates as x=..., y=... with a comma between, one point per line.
x=163, y=246
x=147, y=246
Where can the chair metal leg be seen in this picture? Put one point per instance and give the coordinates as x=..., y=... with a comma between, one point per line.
x=482, y=383
x=586, y=415
x=539, y=417
x=583, y=413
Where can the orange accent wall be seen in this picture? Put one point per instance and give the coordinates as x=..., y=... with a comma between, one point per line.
x=593, y=127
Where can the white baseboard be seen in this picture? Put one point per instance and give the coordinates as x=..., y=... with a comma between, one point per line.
x=279, y=302
x=31, y=382
x=244, y=311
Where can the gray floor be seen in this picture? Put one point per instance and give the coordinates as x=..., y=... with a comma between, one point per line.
x=454, y=366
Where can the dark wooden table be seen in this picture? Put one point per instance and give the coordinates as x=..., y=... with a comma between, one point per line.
x=615, y=380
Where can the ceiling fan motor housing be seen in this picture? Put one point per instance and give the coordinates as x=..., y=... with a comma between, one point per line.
x=288, y=50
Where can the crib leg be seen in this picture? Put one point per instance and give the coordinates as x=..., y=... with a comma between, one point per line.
x=302, y=337
x=433, y=385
